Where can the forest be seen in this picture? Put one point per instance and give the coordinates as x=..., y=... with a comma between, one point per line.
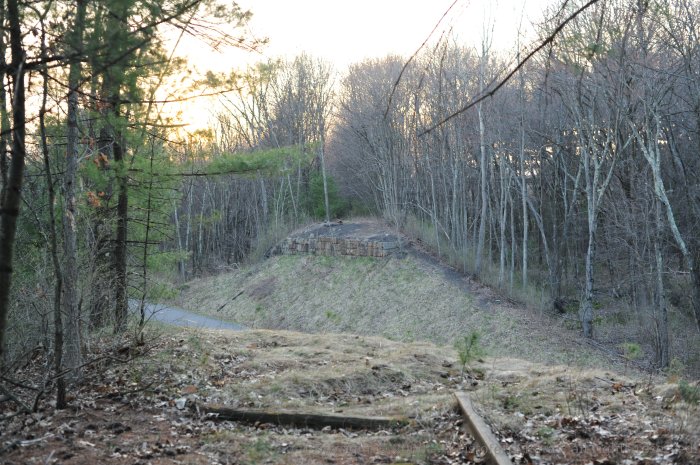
x=563, y=174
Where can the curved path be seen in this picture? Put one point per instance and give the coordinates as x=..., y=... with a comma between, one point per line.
x=181, y=317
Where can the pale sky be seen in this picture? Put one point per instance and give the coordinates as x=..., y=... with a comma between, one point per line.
x=347, y=31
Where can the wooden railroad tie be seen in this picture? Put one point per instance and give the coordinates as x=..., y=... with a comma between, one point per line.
x=302, y=419
x=481, y=431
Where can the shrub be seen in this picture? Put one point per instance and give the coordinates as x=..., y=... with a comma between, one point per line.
x=468, y=349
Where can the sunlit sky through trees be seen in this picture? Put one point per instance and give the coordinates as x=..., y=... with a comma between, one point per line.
x=346, y=32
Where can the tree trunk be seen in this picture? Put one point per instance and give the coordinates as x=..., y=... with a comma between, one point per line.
x=144, y=261
x=73, y=358
x=696, y=289
x=523, y=195
x=323, y=174
x=9, y=208
x=587, y=302
x=5, y=127
x=58, y=347
x=120, y=246
x=102, y=273
x=484, y=194
x=651, y=152
x=661, y=311
x=523, y=179
x=503, y=221
x=586, y=310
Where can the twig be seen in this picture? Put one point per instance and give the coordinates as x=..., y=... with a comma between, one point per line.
x=12, y=366
x=14, y=398
x=398, y=79
x=50, y=457
x=226, y=303
x=18, y=384
x=30, y=442
x=503, y=81
x=39, y=395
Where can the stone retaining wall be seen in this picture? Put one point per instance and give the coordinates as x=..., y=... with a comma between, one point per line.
x=336, y=246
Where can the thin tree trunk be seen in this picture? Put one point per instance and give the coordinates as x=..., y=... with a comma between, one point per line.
x=586, y=310
x=696, y=290
x=5, y=127
x=101, y=279
x=484, y=192
x=144, y=283
x=512, y=243
x=483, y=164
x=587, y=303
x=71, y=309
x=523, y=195
x=181, y=264
x=661, y=311
x=120, y=245
x=523, y=179
x=503, y=222
x=323, y=175
x=53, y=245
x=652, y=155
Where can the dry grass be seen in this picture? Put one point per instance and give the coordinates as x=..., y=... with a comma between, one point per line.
x=563, y=414
x=281, y=370
x=567, y=414
x=580, y=415
x=354, y=374
x=403, y=299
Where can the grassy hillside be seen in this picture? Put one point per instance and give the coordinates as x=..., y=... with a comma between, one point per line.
x=404, y=299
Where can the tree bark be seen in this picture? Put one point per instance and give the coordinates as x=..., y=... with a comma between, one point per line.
x=696, y=290
x=71, y=309
x=9, y=208
x=587, y=302
x=523, y=180
x=322, y=155
x=120, y=245
x=5, y=127
x=652, y=154
x=661, y=311
x=302, y=419
x=484, y=186
x=58, y=347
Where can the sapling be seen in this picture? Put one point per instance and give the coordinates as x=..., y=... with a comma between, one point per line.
x=468, y=349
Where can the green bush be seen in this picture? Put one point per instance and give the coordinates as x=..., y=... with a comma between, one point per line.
x=469, y=349
x=689, y=393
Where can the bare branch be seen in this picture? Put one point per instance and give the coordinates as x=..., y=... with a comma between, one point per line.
x=508, y=77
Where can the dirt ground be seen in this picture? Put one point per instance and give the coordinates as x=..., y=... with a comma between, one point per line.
x=145, y=411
